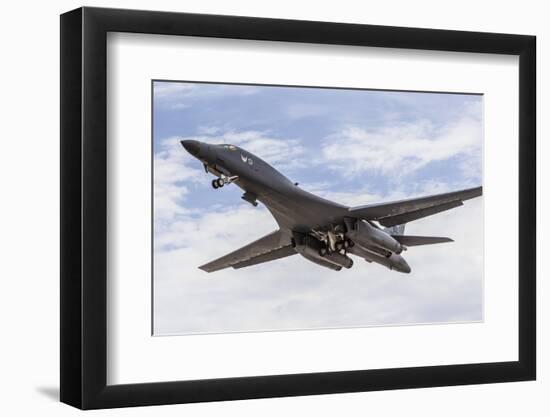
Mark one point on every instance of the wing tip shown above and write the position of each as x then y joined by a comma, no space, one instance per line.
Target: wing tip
205,268
477,191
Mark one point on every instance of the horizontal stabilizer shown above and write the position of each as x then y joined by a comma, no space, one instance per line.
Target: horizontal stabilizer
420,240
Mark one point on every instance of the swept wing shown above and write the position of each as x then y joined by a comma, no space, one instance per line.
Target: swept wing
403,211
273,246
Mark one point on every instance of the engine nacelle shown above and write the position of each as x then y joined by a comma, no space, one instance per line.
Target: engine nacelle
364,234
320,262
339,259
394,262
310,248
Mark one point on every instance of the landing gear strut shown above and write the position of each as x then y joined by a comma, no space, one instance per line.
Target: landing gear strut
220,182
340,247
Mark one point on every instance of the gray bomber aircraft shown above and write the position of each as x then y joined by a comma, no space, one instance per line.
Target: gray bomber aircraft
320,230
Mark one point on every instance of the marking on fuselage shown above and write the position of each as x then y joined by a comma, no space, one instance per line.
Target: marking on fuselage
247,160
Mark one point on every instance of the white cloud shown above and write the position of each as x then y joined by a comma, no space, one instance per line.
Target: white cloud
446,280
180,95
283,153
168,89
362,195
215,231
175,171
172,171
403,148
293,293
358,197
208,130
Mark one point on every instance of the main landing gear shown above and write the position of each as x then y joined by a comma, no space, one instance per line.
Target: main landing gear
340,246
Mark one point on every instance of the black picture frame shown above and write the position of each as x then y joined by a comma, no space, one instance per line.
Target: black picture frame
84,207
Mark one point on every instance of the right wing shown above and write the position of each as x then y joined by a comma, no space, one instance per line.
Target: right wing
403,211
273,246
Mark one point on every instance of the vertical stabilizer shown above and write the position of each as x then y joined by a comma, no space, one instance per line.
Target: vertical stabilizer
395,230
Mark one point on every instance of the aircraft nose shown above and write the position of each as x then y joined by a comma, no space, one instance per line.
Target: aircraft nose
191,146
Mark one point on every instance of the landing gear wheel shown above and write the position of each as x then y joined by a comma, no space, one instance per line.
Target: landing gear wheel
220,182
323,251
339,246
214,184
346,244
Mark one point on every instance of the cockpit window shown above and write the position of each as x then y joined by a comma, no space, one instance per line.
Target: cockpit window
230,147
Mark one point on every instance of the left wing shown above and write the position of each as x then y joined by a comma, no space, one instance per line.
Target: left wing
403,211
273,246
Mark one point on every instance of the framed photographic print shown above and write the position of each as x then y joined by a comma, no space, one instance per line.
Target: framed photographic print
257,208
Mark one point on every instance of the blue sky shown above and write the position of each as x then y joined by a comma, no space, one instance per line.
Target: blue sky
352,146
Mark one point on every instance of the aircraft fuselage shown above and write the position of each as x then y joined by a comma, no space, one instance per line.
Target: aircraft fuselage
301,215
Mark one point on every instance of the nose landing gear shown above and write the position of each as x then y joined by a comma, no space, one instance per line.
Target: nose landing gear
224,179
217,183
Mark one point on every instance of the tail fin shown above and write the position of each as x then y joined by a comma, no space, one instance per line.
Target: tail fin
395,230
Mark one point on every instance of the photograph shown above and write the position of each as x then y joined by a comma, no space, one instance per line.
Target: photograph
282,207
309,208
